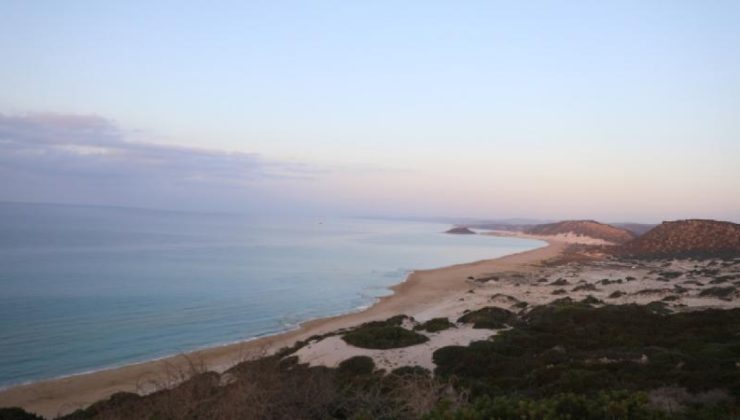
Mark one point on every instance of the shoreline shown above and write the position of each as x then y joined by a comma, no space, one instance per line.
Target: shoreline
420,290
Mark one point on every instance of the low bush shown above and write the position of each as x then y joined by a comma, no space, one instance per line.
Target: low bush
435,325
17,413
411,371
357,365
558,292
520,305
563,360
585,287
490,317
383,337
592,300
613,405
628,347
658,307
725,293
606,282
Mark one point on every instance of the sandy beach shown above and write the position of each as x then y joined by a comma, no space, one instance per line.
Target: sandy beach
422,295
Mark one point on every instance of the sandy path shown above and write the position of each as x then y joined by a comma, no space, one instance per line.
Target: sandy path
420,292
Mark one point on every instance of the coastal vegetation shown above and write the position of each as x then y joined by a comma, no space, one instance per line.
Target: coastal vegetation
356,366
17,413
490,317
564,360
605,405
435,325
388,334
725,293
575,347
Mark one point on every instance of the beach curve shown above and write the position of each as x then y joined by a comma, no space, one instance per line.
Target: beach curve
422,290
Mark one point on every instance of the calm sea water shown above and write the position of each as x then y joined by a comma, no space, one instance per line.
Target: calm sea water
84,288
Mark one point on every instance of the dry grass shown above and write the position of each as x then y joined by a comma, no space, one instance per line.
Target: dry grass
172,374
275,388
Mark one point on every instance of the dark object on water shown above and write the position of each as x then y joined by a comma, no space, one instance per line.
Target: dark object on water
461,230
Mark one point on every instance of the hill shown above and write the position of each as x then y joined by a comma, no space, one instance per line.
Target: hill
686,239
460,230
588,228
636,228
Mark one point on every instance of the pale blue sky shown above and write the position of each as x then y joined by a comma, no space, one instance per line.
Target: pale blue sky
626,110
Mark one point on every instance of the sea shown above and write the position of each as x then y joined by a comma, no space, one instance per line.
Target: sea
85,288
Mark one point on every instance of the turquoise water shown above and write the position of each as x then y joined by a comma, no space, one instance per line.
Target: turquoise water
84,288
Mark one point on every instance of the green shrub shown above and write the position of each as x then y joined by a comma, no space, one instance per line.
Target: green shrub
489,317
614,405
725,293
435,325
560,282
383,337
357,365
411,371
630,347
559,292
558,361
585,288
17,413
591,300
397,320
521,305
658,307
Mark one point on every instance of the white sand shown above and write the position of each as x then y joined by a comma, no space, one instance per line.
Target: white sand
332,350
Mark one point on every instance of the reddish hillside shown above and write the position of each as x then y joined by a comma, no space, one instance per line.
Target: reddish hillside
686,238
588,228
636,228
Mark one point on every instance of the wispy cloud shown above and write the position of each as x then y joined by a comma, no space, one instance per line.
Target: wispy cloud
95,146
91,159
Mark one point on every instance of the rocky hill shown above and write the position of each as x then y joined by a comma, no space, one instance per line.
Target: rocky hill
588,228
686,239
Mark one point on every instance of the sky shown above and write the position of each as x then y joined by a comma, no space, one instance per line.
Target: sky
625,110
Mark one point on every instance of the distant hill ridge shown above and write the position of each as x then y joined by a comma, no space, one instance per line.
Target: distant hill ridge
686,239
590,228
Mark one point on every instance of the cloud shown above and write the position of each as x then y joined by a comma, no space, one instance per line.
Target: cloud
95,146
57,157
